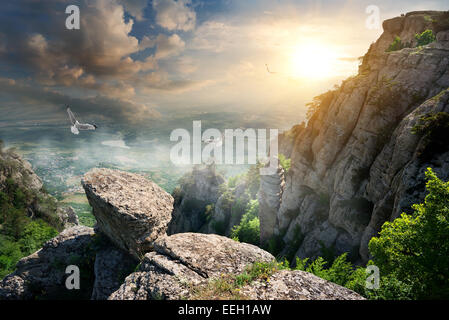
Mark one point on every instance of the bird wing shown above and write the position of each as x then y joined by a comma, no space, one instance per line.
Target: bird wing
85,126
71,116
74,130
268,69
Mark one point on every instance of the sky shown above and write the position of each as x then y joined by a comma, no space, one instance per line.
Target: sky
136,61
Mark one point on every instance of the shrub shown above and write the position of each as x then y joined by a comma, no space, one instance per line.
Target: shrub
228,286
414,249
20,235
34,235
285,163
425,38
340,271
249,228
253,179
396,45
10,254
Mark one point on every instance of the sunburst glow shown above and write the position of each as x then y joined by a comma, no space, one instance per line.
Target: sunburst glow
313,61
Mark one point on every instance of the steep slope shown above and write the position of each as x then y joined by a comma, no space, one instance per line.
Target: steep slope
28,215
357,163
171,267
205,202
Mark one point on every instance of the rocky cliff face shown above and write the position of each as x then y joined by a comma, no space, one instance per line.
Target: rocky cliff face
198,189
357,163
18,173
171,267
206,203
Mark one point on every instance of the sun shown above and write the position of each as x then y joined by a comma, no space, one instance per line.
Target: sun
313,61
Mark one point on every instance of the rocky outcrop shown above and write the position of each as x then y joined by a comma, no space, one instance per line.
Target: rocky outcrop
174,267
111,267
17,176
184,263
68,217
198,189
130,210
270,194
39,204
357,163
42,274
19,170
297,285
218,209
184,260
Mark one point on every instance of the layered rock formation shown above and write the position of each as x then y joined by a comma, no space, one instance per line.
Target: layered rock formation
357,163
270,194
198,189
14,167
39,204
204,201
172,267
131,210
42,274
297,285
184,260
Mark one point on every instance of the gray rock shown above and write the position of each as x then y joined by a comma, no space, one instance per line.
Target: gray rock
111,267
130,210
20,170
184,260
198,189
357,163
68,217
42,274
270,194
297,285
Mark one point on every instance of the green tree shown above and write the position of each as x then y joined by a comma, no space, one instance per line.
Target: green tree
396,45
414,249
249,228
425,38
284,162
34,236
10,253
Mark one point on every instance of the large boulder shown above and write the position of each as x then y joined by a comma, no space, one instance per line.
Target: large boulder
185,264
131,210
184,260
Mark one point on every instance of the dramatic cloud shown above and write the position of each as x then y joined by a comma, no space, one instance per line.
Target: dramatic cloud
100,106
134,7
174,15
132,56
168,46
102,47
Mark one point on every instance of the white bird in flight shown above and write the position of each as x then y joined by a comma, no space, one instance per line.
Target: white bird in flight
76,126
217,142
